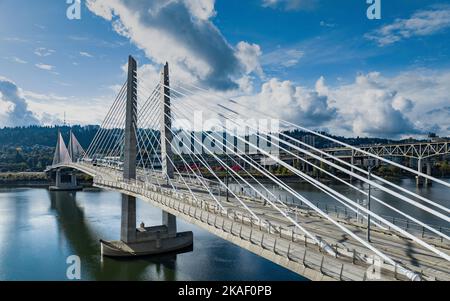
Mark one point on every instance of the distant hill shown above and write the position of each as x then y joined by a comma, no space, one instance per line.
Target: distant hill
44,136
30,149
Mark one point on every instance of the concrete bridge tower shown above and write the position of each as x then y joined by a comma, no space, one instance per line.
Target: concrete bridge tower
145,240
128,225
169,220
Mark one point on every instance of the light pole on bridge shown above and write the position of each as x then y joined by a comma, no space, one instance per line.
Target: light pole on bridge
368,204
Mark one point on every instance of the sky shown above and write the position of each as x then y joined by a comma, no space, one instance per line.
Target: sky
318,63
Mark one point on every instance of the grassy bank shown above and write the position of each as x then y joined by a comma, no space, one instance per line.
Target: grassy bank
24,178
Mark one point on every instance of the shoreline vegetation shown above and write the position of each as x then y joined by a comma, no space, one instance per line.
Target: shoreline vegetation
34,179
41,179
24,179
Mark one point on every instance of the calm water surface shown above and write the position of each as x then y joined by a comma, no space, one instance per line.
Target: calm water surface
40,229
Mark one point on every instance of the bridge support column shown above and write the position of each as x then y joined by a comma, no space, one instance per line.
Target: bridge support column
169,220
58,178
73,179
128,223
427,181
419,180
61,185
146,240
352,162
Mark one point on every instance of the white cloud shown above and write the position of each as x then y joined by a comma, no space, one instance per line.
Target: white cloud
86,54
43,97
45,67
290,4
186,37
285,57
249,55
412,102
283,99
51,111
19,60
20,107
429,91
367,107
15,111
16,59
202,9
409,104
421,23
43,52
325,24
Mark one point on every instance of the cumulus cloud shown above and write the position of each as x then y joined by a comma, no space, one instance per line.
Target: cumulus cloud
370,108
429,91
441,117
14,106
290,4
372,105
19,107
421,23
284,100
249,55
182,33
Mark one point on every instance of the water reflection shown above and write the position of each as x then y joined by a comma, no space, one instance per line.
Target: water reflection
40,229
83,241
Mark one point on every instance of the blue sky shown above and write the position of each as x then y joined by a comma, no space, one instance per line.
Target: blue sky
324,59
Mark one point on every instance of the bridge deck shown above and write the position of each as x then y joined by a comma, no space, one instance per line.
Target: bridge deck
275,238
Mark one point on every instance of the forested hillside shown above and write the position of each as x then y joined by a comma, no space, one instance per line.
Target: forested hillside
31,148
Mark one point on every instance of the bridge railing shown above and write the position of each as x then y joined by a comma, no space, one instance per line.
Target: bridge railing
339,212
282,241
356,216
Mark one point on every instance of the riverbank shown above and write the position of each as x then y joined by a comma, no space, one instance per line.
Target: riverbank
20,179
34,180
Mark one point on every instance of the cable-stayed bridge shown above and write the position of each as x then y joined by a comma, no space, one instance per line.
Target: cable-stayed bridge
150,147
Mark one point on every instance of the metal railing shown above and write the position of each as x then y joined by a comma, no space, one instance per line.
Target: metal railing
281,241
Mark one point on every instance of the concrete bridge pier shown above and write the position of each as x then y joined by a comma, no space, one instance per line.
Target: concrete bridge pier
58,178
61,185
128,220
170,222
427,181
419,180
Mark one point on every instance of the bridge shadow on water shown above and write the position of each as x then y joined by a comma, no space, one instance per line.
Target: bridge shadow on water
83,241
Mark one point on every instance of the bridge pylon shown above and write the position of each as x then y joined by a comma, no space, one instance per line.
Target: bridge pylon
62,156
169,220
145,240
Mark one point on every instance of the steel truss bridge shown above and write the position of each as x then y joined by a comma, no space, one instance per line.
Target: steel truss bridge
407,150
143,151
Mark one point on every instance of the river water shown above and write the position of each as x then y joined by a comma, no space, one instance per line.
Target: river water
40,229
